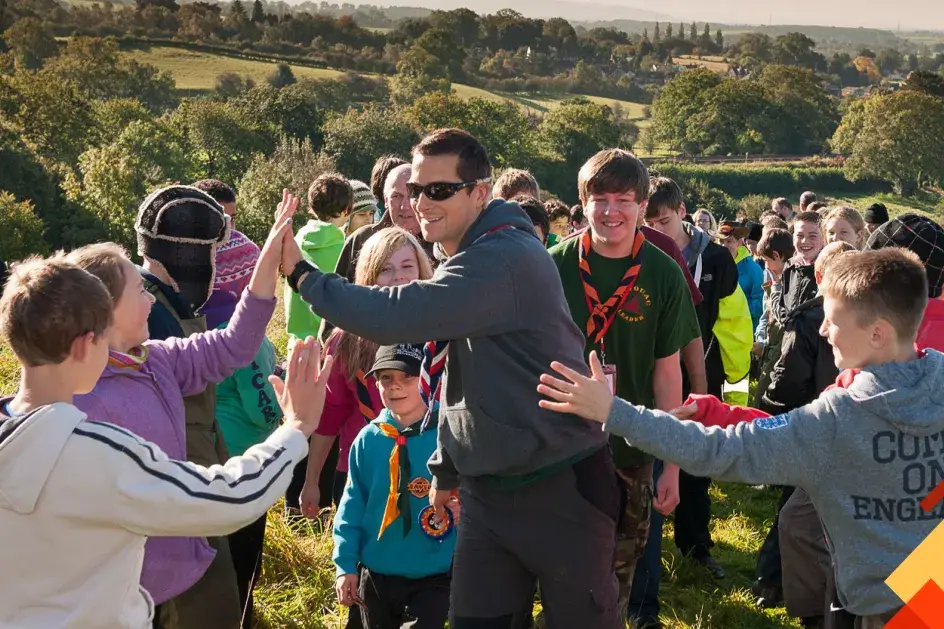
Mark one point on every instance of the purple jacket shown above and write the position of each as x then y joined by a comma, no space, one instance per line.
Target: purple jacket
150,403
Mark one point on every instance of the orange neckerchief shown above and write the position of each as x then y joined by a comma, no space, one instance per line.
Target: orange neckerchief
398,500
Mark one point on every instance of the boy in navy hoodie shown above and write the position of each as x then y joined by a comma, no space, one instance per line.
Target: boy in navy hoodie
392,560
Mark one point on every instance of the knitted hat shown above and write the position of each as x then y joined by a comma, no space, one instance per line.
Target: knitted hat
876,214
919,235
364,199
180,228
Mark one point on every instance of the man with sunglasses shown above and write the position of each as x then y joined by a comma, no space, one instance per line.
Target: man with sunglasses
538,491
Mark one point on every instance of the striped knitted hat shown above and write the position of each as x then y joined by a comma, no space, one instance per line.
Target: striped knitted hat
180,228
364,199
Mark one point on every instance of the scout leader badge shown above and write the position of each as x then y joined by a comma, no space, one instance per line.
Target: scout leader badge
602,314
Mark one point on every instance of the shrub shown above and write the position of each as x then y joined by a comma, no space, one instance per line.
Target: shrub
770,180
21,231
753,205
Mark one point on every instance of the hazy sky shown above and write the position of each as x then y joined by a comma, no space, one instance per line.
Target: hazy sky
913,14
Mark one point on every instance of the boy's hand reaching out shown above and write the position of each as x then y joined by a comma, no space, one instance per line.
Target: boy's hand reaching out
266,274
346,588
589,397
302,395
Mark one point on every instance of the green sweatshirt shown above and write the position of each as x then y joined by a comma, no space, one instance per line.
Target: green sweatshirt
246,407
321,245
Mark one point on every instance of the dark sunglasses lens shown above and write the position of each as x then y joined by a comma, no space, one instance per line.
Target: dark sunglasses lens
414,190
441,191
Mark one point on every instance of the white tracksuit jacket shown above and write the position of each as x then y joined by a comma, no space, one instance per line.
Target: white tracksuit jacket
78,499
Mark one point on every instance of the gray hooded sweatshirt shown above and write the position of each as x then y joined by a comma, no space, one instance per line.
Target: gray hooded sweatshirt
867,456
500,302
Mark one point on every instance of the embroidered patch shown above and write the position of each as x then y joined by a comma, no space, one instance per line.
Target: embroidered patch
433,530
419,487
771,423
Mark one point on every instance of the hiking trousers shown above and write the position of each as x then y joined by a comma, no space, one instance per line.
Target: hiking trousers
804,556
559,532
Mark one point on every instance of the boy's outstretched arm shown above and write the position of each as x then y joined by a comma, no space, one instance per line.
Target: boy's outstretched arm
788,449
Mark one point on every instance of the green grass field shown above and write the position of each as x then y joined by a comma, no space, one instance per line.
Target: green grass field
194,70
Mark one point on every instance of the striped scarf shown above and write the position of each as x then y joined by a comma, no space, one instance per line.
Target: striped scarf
603,313
364,403
133,360
434,359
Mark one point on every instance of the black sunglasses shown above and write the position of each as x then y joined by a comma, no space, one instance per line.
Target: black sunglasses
441,190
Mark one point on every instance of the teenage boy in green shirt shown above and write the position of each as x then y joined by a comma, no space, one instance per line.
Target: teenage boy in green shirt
643,316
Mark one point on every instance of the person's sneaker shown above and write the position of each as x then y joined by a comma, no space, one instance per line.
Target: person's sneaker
708,563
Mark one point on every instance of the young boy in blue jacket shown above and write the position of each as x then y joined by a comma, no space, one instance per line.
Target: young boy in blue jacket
392,559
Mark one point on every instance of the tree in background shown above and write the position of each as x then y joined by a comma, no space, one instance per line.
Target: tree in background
578,128
461,24
21,230
895,137
668,30
31,43
418,73
657,34
719,39
678,102
355,139
806,116
924,81
693,33
282,76
293,165
258,14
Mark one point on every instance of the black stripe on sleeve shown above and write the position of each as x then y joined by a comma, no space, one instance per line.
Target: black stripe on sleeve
124,449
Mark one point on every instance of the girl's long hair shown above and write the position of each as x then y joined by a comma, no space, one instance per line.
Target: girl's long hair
358,353
711,217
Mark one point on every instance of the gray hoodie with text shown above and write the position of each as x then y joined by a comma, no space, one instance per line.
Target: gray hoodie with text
499,300
867,455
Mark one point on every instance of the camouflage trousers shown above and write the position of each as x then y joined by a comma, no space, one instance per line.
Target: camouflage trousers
632,530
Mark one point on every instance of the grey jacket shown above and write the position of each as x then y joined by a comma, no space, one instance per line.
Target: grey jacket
499,300
867,456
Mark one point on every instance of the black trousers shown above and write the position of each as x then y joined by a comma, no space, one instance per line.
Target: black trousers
391,602
693,514
245,545
325,481
769,571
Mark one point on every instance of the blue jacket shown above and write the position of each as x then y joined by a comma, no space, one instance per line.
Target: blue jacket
361,511
751,279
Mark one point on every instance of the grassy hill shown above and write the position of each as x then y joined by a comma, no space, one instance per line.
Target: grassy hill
197,71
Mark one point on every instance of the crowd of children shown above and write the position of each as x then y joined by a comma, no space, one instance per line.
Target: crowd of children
151,431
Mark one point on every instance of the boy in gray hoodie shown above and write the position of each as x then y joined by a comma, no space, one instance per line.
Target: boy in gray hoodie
867,454
532,481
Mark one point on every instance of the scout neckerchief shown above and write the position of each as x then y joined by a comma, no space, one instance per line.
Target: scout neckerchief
133,360
602,314
434,358
398,499
364,403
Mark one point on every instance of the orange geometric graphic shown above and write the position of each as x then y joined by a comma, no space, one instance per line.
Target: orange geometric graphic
925,610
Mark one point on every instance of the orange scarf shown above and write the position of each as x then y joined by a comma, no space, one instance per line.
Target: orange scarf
398,500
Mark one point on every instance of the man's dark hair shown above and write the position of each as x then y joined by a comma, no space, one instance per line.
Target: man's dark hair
473,165
556,209
329,196
613,171
816,206
378,175
776,241
536,212
576,214
663,194
221,192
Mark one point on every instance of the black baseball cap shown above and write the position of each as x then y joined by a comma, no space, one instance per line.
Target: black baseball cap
404,357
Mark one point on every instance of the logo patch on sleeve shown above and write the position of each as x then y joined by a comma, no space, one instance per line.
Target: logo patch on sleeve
419,487
772,423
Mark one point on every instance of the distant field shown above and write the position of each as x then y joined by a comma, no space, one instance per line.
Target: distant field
198,71
929,203
715,64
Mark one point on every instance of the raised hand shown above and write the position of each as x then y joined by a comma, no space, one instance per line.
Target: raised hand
266,274
302,395
589,397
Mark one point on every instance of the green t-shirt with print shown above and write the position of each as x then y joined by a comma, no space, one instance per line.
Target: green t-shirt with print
656,320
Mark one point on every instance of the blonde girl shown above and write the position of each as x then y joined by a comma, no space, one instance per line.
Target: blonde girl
846,224
705,221
391,257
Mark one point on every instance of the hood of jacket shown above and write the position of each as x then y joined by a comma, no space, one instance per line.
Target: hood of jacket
743,253
700,240
908,395
30,446
319,234
498,213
